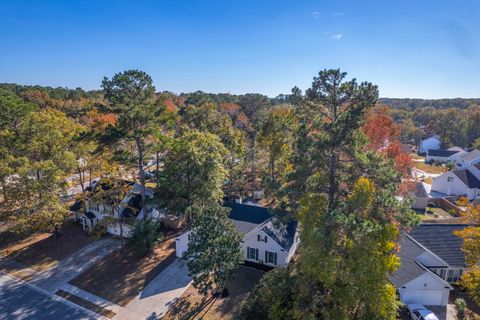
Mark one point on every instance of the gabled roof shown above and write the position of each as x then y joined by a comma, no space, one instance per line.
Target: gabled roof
284,234
441,153
247,217
90,215
432,137
420,190
472,155
409,268
440,240
456,149
134,206
467,178
76,207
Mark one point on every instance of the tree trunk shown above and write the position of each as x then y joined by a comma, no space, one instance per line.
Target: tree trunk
81,178
141,173
332,188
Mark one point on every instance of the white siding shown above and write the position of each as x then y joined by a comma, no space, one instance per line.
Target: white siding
271,246
115,230
432,143
427,289
451,185
251,240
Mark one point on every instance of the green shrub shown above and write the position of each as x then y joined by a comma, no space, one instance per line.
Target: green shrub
99,230
145,235
461,306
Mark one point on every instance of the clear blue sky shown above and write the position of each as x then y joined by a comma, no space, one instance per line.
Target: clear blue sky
409,48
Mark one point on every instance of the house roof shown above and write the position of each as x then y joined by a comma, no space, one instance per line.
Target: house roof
420,190
467,178
432,137
472,155
284,234
134,206
76,207
441,153
439,239
247,217
90,215
409,267
456,149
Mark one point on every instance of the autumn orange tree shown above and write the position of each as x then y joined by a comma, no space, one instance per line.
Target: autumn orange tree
470,280
383,134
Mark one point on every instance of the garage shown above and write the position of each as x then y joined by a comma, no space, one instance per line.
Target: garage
425,297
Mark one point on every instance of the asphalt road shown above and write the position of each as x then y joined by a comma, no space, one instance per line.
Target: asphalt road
21,301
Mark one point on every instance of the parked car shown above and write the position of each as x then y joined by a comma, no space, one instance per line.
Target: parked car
419,312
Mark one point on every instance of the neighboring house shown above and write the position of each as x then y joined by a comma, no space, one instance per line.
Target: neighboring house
420,196
468,159
431,259
458,183
430,143
131,209
444,156
263,242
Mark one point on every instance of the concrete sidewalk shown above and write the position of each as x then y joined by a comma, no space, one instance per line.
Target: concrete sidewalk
155,299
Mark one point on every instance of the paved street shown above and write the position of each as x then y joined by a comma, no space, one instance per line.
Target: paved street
19,300
154,300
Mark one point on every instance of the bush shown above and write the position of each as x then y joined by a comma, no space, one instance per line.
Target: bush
461,306
99,230
145,236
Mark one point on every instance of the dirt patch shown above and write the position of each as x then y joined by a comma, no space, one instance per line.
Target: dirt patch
122,275
192,305
86,304
43,251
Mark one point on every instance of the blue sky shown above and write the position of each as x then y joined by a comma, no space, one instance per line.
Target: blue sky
409,48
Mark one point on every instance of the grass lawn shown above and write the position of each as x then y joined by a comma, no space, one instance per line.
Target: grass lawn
121,275
42,251
192,305
428,168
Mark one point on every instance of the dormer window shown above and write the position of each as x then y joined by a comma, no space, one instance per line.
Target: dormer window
262,238
450,179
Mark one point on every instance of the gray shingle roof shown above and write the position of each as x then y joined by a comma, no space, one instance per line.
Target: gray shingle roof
439,239
409,268
247,217
283,234
468,178
441,153
474,154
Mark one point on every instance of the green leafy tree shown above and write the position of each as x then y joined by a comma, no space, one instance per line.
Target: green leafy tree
131,96
145,236
276,138
194,171
214,251
43,159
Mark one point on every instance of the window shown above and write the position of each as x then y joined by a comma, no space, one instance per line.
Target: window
454,275
262,238
189,236
450,179
252,253
271,257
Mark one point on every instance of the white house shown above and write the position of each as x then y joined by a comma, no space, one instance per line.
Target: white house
430,143
431,259
444,156
419,196
263,242
131,209
457,183
468,159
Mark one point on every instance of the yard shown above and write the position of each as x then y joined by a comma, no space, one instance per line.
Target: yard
43,251
428,168
194,306
122,275
433,213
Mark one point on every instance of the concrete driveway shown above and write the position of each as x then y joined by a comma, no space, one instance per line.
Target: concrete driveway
155,299
19,300
73,265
